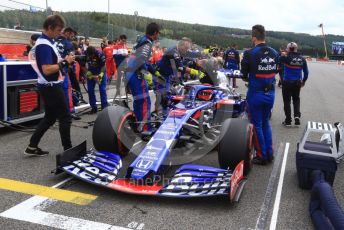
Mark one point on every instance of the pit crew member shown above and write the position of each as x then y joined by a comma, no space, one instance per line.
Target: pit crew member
259,67
139,60
95,72
293,65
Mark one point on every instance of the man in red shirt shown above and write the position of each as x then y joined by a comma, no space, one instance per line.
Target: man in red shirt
156,54
110,63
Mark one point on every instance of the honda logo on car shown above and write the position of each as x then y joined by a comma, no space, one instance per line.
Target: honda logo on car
144,164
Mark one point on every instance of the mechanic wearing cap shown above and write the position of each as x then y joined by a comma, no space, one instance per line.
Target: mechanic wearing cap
95,72
48,64
293,65
259,67
139,60
65,47
231,60
171,66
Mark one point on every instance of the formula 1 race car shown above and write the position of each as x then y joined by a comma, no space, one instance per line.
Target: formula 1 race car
201,119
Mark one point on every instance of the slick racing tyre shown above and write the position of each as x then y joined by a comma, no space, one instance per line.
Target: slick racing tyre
235,144
114,130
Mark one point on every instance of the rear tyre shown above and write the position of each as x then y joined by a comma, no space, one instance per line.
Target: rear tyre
235,144
114,130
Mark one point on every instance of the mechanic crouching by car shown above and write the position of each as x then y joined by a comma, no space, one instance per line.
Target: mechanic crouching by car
259,67
139,60
95,72
293,64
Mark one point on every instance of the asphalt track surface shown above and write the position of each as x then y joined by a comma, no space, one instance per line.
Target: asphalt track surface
321,100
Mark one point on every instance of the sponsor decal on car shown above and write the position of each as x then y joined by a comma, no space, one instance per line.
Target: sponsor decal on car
237,176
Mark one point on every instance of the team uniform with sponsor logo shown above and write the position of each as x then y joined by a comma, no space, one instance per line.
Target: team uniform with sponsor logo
231,61
51,91
139,60
95,65
170,67
293,65
260,66
64,46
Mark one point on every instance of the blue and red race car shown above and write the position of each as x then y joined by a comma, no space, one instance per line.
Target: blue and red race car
202,119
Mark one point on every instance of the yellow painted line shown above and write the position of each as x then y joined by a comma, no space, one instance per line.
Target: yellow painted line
40,190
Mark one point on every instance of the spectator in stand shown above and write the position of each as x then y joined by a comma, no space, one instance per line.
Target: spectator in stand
120,53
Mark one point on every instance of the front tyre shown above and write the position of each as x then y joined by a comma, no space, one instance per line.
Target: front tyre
235,144
114,130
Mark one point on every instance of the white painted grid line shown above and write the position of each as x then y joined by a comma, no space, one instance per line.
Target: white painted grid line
279,190
31,211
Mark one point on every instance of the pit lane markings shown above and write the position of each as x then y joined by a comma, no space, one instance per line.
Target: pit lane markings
49,192
31,211
267,203
279,190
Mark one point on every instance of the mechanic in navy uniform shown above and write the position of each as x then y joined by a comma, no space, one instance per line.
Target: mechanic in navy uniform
171,66
259,67
293,65
231,60
95,72
139,60
65,47
48,64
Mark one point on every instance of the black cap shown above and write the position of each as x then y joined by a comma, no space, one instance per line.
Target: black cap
34,37
69,29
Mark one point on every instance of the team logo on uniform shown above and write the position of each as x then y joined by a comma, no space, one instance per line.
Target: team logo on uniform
267,63
297,61
60,47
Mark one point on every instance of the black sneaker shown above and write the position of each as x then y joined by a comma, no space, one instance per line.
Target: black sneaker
259,161
297,121
286,123
30,151
75,117
93,111
271,158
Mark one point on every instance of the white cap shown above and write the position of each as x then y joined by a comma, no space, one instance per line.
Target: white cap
292,46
